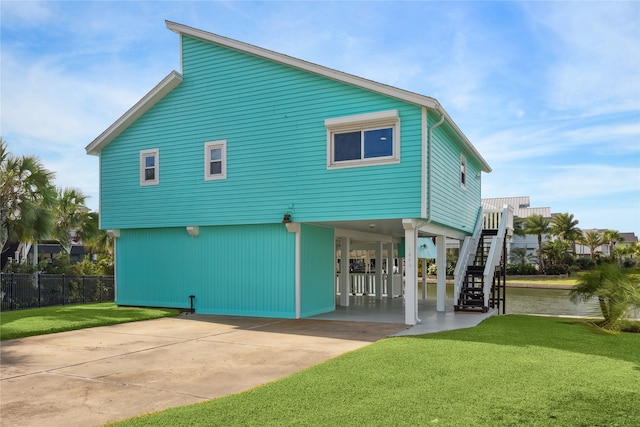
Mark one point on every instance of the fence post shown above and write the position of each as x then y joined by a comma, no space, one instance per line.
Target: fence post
39,286
63,293
12,293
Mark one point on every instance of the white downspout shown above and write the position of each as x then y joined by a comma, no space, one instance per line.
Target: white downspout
430,164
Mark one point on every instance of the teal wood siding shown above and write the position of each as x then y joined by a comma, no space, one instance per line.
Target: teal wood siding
231,270
317,294
453,206
272,117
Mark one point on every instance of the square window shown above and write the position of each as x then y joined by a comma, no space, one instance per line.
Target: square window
215,159
149,167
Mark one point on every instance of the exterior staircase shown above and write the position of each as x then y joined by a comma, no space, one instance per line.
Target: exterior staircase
480,275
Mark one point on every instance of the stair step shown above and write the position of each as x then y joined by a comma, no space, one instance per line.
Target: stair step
489,232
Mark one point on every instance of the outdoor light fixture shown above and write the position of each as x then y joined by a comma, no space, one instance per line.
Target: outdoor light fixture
193,230
286,219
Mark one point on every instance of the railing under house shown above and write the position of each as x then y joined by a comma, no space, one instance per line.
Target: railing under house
365,284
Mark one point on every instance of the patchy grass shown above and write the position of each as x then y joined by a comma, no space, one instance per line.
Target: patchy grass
564,281
510,370
47,320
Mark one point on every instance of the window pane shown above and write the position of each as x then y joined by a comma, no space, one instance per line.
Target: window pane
149,161
347,146
216,154
149,174
215,168
378,143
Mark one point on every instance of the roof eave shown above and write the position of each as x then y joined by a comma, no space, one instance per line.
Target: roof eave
351,79
134,113
303,65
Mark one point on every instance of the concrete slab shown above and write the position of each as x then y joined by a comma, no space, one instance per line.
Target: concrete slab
101,375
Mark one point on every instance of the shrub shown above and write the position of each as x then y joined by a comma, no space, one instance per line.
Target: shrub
556,270
521,269
585,263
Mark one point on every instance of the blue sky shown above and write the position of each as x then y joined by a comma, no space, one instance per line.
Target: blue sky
548,92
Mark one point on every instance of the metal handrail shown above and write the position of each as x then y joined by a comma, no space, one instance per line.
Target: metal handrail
467,254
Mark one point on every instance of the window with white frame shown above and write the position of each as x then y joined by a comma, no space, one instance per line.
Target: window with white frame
150,167
363,139
463,171
215,160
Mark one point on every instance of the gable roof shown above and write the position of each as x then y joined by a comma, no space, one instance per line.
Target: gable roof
171,81
134,113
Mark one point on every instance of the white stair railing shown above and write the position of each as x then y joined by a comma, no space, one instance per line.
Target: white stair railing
467,254
495,251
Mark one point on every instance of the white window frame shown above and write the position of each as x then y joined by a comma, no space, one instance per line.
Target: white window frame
463,172
222,145
143,155
362,123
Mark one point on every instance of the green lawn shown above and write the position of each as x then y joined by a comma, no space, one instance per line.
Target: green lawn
543,280
47,320
508,371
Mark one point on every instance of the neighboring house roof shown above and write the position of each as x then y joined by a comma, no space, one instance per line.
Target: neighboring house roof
174,79
520,206
629,237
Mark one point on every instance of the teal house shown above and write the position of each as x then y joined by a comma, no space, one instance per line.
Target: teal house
248,181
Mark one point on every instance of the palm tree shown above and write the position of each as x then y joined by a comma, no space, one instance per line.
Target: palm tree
592,239
539,226
556,251
71,215
611,237
617,292
26,198
565,226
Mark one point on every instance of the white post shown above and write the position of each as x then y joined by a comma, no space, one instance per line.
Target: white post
344,272
379,249
424,278
411,288
441,280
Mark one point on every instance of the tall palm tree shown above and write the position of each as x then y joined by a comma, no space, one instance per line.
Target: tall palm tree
556,251
610,237
537,225
71,215
592,239
26,198
565,226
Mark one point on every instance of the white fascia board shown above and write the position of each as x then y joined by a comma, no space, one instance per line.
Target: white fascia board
465,140
340,76
303,65
134,113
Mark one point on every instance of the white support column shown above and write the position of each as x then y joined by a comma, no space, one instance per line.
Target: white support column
441,280
344,271
379,248
390,274
411,282
294,227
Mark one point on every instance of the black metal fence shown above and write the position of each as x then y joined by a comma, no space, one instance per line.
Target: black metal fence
19,291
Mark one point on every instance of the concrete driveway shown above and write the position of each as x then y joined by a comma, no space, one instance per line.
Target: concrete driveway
100,375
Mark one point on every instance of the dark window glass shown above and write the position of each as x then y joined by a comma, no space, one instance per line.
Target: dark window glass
215,168
378,143
347,146
149,174
149,161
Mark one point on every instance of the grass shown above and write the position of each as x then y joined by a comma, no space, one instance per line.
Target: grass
508,371
47,320
543,280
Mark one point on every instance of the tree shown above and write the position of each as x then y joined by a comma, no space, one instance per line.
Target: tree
617,292
72,216
565,227
610,237
26,198
592,239
519,256
537,225
557,251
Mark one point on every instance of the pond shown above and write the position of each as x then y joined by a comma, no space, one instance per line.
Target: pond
536,301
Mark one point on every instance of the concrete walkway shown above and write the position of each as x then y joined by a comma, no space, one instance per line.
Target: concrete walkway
100,375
